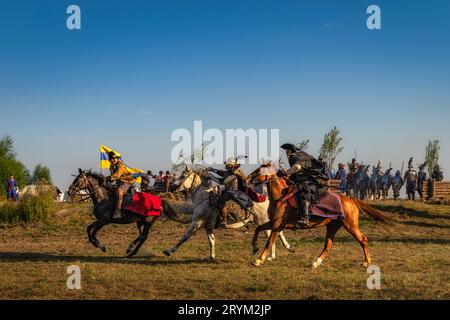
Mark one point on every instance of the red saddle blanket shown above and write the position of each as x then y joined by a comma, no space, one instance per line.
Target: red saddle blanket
145,204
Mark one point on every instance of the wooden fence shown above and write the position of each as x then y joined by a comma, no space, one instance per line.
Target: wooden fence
431,189
334,185
438,190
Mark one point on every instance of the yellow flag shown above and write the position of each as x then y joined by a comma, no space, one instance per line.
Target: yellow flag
104,162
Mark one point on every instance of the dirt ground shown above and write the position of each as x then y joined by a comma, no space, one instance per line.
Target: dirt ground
413,256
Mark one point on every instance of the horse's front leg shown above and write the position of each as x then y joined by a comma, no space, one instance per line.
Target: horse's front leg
212,245
285,243
96,226
269,244
271,257
280,220
265,226
194,226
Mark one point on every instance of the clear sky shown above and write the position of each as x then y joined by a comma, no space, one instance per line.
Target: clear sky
140,69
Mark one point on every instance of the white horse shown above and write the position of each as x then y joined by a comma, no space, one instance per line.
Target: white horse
205,215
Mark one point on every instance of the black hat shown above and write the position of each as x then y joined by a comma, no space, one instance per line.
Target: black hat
112,155
289,146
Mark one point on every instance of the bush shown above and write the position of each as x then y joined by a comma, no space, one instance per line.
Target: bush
30,208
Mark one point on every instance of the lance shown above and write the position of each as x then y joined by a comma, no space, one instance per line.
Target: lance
401,172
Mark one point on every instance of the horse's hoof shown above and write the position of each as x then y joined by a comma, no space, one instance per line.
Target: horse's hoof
210,260
255,250
167,253
257,263
270,259
291,250
317,263
103,248
365,264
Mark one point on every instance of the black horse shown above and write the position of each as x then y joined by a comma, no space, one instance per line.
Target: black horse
104,200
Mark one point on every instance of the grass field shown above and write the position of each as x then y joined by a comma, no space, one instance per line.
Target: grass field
413,256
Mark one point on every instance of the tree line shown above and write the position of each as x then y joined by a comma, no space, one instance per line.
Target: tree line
10,165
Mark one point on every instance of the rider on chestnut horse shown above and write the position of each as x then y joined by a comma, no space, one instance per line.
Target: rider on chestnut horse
309,176
124,180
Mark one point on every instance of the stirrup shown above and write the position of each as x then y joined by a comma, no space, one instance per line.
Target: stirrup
303,222
117,214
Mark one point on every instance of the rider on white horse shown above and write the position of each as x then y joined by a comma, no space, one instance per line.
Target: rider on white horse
233,180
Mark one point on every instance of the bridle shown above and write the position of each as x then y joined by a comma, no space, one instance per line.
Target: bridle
190,189
88,194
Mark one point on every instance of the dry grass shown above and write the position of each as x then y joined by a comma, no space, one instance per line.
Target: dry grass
413,256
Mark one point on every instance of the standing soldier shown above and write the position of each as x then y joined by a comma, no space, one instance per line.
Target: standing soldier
397,183
411,180
379,168
421,179
341,175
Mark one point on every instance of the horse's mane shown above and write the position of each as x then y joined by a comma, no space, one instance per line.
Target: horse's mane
98,176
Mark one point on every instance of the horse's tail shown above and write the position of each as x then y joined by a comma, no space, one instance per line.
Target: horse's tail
374,213
170,213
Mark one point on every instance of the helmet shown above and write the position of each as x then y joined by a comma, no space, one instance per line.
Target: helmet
410,163
289,146
112,155
231,163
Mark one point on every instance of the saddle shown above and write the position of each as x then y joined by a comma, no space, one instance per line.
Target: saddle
329,205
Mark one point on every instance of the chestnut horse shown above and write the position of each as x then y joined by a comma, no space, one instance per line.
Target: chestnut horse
283,215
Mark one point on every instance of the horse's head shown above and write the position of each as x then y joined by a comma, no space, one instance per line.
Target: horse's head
84,181
263,174
80,183
189,180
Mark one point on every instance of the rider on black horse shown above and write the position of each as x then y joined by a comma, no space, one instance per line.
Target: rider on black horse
309,175
235,187
123,177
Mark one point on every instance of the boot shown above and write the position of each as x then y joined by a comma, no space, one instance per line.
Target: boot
303,210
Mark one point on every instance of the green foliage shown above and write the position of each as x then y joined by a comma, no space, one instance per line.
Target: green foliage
331,147
303,145
30,208
41,174
10,165
432,156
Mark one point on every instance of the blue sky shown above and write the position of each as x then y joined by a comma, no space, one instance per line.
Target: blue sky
140,69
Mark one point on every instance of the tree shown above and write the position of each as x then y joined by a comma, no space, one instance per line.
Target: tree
9,165
6,148
432,156
303,145
41,174
331,147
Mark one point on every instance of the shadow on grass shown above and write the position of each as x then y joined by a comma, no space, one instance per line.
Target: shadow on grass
425,224
404,240
401,210
48,257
